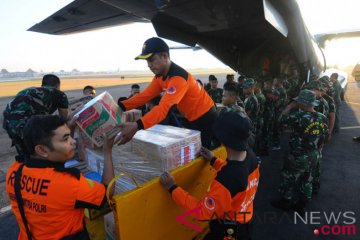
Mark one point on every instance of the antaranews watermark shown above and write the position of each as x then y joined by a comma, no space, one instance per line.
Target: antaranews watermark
331,223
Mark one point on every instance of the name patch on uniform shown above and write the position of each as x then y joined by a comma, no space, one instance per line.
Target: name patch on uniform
315,128
30,184
32,206
209,203
171,90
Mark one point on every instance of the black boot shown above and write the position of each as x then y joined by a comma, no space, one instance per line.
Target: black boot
283,204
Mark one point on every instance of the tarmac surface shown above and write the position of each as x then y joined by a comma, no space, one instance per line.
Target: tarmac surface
339,194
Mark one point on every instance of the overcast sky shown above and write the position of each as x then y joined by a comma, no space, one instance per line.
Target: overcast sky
115,48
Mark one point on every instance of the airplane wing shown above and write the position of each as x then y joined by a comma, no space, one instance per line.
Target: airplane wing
240,33
322,38
85,15
196,48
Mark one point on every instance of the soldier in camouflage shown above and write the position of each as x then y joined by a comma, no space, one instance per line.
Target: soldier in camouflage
31,101
317,87
309,132
332,107
337,99
214,92
292,83
230,99
323,107
271,97
260,123
331,89
280,104
240,81
251,102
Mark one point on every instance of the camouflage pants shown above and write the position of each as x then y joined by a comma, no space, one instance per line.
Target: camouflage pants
316,172
14,129
276,130
296,176
267,130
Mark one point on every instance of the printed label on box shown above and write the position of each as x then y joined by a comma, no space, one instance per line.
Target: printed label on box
187,154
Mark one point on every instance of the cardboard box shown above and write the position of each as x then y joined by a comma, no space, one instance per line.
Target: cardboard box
78,103
168,147
99,116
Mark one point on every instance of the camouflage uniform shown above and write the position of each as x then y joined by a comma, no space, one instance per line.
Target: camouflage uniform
28,102
216,94
260,123
291,86
331,103
271,96
241,92
330,100
232,108
240,102
337,99
207,87
323,108
252,106
280,104
309,130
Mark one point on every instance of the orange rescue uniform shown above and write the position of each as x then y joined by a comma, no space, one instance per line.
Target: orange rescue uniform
54,198
231,193
179,88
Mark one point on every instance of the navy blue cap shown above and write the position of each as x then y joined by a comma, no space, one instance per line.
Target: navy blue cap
151,46
233,130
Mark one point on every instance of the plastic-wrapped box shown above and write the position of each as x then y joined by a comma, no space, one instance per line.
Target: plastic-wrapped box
166,146
151,152
99,116
110,227
124,161
94,158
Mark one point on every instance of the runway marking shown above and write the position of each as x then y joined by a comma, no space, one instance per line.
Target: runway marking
353,103
5,209
351,127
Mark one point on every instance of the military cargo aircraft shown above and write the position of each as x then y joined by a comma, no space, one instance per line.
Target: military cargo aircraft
239,33
242,34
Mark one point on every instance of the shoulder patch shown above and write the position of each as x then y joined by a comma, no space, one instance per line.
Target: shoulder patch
209,203
90,182
171,90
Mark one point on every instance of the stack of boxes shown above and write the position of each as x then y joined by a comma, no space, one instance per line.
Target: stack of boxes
150,153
